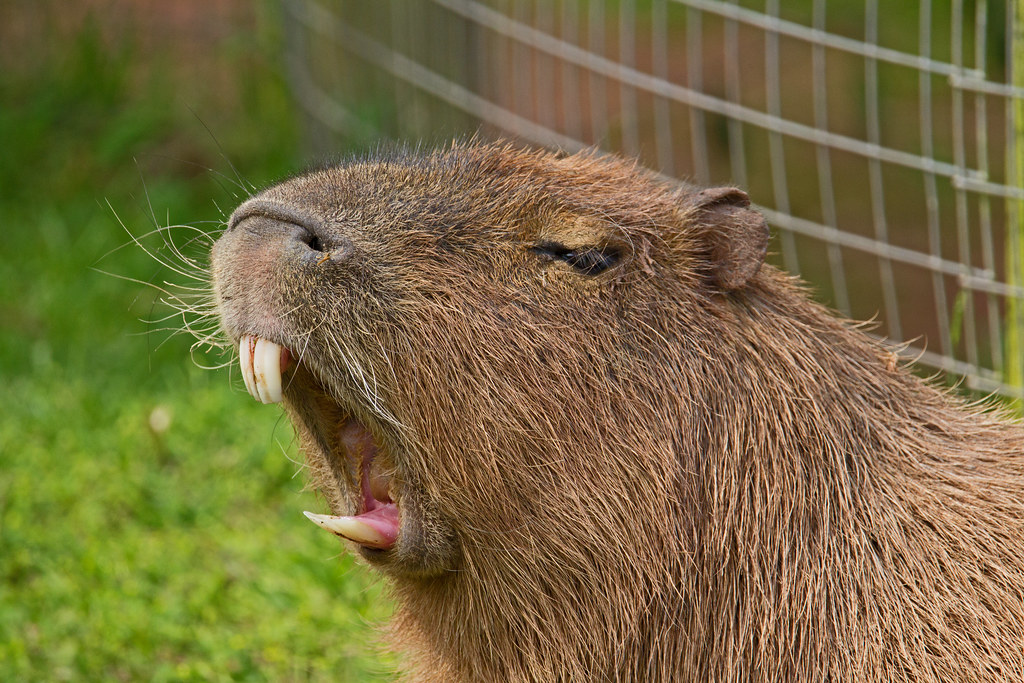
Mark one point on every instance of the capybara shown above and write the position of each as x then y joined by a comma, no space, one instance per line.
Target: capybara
588,435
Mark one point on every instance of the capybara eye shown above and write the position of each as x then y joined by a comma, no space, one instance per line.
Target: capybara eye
592,261
587,261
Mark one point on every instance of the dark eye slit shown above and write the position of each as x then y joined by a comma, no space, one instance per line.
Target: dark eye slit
586,260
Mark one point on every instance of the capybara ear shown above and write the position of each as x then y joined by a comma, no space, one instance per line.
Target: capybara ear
735,236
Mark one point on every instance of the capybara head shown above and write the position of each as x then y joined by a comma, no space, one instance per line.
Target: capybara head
589,436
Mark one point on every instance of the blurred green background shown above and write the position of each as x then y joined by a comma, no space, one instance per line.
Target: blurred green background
150,524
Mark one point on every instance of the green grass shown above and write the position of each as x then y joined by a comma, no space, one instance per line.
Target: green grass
128,553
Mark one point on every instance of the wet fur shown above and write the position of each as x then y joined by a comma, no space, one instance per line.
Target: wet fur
682,469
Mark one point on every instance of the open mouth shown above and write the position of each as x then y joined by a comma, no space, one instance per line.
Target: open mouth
377,523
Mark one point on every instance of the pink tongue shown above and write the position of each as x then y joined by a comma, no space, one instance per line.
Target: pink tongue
384,520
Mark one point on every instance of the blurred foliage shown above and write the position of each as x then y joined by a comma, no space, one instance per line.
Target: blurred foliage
150,523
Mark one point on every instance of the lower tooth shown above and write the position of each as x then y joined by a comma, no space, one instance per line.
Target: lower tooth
351,528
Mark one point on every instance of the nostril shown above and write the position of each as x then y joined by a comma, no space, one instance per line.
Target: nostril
314,243
320,247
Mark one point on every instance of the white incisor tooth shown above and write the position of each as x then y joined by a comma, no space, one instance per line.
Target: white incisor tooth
266,365
245,362
351,528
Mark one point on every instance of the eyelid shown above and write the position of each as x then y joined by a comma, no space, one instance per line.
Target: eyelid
587,260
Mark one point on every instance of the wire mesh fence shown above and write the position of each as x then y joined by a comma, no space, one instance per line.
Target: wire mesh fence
880,140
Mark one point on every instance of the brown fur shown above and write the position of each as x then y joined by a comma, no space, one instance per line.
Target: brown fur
680,468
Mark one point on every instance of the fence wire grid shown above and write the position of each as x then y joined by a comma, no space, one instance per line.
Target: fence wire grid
881,141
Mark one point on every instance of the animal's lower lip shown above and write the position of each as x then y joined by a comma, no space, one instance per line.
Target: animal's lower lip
262,362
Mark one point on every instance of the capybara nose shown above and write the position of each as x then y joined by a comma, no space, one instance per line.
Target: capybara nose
293,228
